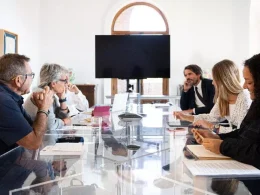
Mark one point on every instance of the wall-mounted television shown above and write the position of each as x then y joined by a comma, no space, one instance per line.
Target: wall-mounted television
132,56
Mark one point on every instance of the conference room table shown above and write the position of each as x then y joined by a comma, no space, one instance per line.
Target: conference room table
109,164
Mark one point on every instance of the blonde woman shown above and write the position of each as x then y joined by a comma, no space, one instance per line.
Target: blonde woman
232,102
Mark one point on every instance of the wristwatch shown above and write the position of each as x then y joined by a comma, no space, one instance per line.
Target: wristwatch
216,128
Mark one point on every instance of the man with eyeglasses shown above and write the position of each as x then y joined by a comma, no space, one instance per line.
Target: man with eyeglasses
16,126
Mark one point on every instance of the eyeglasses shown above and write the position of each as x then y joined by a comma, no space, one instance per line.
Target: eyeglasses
64,81
30,75
26,75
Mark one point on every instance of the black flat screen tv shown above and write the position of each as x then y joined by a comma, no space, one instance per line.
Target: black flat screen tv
132,56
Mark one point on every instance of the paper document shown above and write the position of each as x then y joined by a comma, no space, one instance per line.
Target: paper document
160,105
202,154
66,128
63,149
220,167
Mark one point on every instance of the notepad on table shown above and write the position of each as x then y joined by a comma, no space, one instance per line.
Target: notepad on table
63,149
201,153
220,168
75,127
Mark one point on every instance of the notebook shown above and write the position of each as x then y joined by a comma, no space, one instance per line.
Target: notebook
63,149
200,153
220,168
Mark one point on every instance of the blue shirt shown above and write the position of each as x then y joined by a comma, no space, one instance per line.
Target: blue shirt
15,123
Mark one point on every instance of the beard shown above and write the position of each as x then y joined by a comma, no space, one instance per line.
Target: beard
192,81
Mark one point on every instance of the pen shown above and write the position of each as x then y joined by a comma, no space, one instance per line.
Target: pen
197,127
79,125
202,138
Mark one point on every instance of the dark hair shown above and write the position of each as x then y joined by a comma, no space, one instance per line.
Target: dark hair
195,68
253,64
12,65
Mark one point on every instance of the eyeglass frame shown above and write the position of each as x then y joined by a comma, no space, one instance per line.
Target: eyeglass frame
66,81
32,74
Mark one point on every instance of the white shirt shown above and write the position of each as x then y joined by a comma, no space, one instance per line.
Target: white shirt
197,100
231,109
236,115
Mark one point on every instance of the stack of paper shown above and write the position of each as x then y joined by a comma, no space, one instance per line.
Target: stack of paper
220,167
79,127
63,149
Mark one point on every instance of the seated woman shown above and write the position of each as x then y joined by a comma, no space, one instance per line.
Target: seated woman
242,144
232,102
54,76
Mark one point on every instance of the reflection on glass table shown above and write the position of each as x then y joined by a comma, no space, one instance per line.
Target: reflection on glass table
20,169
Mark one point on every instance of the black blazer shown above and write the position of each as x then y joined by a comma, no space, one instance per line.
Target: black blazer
243,144
208,92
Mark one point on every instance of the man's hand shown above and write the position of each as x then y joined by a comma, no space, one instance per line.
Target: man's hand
186,86
44,99
201,135
212,145
203,123
73,88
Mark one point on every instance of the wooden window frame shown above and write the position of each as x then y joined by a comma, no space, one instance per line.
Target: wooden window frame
165,83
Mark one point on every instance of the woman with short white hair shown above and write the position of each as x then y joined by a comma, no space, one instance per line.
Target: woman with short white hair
56,77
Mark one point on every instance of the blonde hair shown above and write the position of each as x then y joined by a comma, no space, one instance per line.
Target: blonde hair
226,76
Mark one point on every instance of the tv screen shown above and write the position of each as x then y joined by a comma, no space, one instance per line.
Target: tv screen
132,56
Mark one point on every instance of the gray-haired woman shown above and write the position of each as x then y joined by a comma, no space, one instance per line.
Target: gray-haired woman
56,77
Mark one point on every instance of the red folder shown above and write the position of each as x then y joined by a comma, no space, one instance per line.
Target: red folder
101,111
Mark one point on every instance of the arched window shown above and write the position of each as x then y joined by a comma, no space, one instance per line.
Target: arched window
140,18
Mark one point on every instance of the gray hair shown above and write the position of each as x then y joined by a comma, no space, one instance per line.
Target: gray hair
12,65
51,73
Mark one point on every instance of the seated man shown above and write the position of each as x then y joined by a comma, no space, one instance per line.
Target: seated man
198,92
16,126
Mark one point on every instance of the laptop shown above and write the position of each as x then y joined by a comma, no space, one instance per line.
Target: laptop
120,102
179,123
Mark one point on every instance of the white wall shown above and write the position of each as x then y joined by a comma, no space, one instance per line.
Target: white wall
254,46
68,30
202,32
22,17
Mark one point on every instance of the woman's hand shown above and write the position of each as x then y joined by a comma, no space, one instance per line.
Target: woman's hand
201,135
73,88
203,123
183,115
67,121
212,145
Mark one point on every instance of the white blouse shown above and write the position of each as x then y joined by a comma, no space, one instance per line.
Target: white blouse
237,114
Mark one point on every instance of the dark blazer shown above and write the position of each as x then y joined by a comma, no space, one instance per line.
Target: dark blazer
243,144
208,92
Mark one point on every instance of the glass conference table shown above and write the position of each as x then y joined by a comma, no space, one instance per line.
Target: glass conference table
110,164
